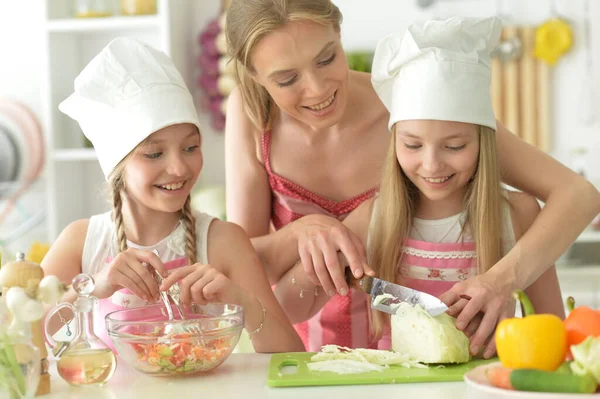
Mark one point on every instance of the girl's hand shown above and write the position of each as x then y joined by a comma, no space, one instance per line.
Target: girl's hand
202,284
320,238
128,270
479,304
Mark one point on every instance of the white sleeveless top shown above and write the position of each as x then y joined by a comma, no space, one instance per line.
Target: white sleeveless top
101,242
450,229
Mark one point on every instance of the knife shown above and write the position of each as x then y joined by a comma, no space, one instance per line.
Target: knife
375,287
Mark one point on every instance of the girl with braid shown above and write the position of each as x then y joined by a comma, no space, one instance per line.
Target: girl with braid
133,105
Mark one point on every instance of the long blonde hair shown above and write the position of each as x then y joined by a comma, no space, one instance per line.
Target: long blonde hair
117,185
396,206
248,22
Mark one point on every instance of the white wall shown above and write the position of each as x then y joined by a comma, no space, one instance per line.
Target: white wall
20,52
364,23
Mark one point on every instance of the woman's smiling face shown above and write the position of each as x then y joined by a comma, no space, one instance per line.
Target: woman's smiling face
303,67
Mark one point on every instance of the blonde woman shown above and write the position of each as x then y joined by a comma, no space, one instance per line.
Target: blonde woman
133,105
305,143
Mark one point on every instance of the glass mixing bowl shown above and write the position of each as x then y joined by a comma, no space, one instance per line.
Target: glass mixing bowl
148,341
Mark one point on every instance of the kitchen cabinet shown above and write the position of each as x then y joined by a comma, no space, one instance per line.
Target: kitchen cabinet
579,270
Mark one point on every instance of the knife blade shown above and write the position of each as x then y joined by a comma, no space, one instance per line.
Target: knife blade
375,287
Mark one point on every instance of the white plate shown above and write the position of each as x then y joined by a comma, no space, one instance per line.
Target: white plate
478,386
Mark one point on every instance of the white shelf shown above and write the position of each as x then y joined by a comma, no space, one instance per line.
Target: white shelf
75,154
589,236
74,25
74,183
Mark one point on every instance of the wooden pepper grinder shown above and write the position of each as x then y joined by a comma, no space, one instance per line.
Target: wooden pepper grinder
27,274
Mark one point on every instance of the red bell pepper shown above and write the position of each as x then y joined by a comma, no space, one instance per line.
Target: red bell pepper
581,323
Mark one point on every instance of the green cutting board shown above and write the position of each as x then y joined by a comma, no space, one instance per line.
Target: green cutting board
279,377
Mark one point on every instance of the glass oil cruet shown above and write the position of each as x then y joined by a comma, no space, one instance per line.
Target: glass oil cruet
86,360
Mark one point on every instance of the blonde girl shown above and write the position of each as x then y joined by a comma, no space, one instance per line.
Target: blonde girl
442,217
133,105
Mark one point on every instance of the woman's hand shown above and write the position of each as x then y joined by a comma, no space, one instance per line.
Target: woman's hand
128,270
479,304
320,238
202,284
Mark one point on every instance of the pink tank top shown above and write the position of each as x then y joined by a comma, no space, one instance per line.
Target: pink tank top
343,320
291,202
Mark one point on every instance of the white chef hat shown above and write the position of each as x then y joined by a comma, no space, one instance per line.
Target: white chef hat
438,70
127,92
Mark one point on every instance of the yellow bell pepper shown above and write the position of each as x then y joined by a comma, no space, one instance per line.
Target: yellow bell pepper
536,341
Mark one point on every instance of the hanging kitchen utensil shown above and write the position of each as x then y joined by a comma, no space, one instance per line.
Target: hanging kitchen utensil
544,98
510,47
506,51
553,38
527,68
510,81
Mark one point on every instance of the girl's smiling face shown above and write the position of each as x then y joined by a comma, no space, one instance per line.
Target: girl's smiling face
161,172
439,157
303,67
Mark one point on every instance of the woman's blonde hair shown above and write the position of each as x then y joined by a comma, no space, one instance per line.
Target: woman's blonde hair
117,185
248,22
396,206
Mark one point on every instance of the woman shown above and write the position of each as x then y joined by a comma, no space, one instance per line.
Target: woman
305,143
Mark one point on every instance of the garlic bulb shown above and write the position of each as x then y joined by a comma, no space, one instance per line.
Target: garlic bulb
222,21
22,306
221,43
50,290
225,85
4,313
226,67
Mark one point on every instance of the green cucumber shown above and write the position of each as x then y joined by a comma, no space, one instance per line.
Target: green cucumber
546,381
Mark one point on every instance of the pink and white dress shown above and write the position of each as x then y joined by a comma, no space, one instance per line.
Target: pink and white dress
101,247
343,320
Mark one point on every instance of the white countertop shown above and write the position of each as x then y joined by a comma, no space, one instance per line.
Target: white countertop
242,376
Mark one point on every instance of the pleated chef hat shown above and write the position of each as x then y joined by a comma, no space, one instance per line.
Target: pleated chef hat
127,92
438,70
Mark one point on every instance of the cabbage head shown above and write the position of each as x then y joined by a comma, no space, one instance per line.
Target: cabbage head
586,358
428,339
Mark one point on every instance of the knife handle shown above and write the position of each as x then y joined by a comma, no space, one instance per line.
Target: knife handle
365,283
352,281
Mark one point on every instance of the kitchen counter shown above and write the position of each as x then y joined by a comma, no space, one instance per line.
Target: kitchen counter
241,376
